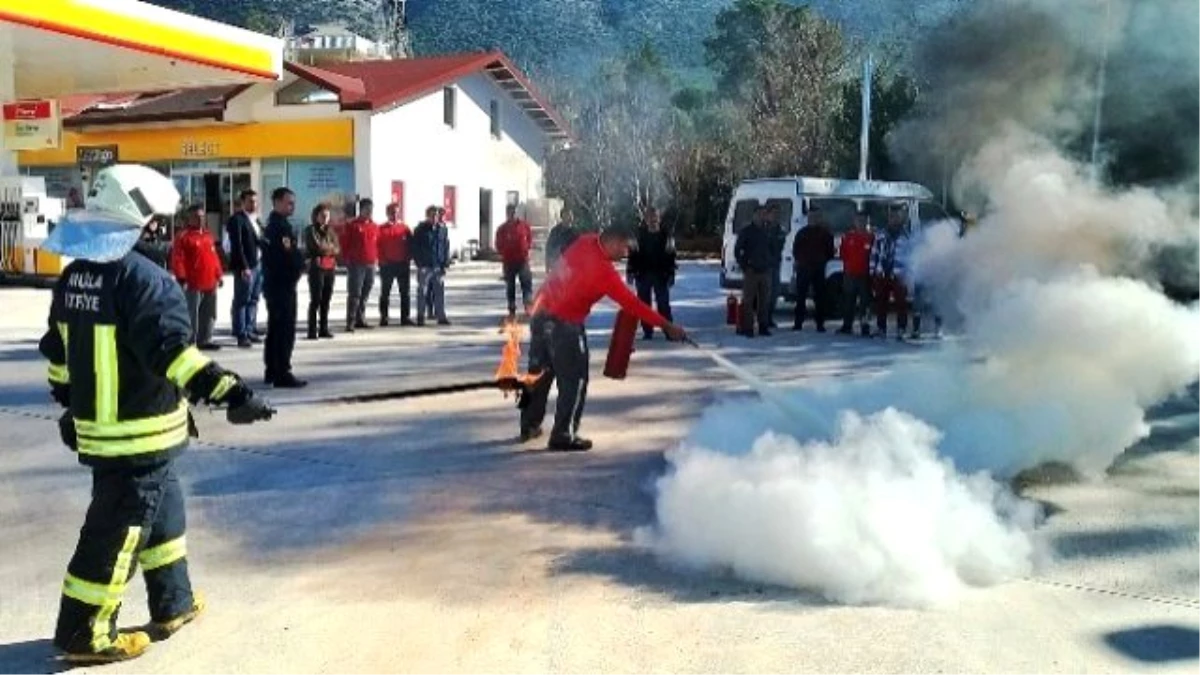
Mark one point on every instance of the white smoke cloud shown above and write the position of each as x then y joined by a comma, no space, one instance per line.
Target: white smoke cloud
1063,349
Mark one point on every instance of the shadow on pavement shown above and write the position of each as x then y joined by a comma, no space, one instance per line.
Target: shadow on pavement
33,656
1156,644
1124,541
641,569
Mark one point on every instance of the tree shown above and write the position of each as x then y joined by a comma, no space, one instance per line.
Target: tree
893,96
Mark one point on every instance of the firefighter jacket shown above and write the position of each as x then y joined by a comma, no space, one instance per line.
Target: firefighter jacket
121,359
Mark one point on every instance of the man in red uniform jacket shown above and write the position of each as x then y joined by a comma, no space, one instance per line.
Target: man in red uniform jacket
360,249
558,342
395,264
514,239
856,274
197,266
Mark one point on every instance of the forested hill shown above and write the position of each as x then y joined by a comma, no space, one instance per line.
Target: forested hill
563,37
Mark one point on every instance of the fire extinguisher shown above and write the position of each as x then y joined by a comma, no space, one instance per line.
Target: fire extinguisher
732,310
620,346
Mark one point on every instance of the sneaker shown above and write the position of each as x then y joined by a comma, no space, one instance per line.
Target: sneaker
244,343
569,444
364,325
349,328
530,434
325,334
797,326
209,347
383,322
765,332
127,646
165,629
444,322
820,328
864,330
311,336
257,338
914,336
290,381
407,322
845,330
420,323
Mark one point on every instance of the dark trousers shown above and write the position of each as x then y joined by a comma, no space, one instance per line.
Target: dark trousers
136,517
810,280
658,287
320,294
202,306
399,273
281,332
856,292
359,280
514,272
559,351
890,293
774,293
756,289
246,294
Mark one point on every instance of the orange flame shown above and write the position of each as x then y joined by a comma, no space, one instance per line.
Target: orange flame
509,370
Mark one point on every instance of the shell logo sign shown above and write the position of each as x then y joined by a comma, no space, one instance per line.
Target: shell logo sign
32,125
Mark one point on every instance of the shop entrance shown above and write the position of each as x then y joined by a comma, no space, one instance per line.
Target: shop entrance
216,185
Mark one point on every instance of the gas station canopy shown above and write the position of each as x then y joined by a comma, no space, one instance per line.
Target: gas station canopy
57,48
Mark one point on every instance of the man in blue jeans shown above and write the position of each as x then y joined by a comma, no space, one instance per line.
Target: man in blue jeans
244,236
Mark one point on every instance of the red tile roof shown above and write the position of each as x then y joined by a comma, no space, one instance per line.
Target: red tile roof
372,85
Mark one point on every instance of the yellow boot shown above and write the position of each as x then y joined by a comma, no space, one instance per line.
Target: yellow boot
126,646
165,629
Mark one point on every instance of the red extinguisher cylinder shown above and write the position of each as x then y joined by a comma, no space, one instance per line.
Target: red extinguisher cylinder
731,310
620,346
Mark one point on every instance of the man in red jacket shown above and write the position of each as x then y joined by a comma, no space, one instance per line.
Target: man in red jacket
360,249
514,239
856,274
395,264
558,342
197,266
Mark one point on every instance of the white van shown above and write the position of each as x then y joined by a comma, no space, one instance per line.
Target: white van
837,198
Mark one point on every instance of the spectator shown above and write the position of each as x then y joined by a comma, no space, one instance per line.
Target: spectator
754,254
778,231
431,252
322,248
283,265
561,236
888,257
360,248
395,265
245,243
197,266
856,279
653,266
514,240
812,249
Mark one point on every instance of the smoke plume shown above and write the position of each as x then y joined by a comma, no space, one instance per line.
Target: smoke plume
1066,339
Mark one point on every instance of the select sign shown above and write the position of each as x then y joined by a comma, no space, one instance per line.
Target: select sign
32,125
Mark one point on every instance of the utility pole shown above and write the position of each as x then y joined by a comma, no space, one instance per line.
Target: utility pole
864,141
1100,84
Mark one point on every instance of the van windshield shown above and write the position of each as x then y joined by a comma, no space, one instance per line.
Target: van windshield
743,212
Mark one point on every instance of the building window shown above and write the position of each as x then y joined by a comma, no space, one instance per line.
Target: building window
495,115
303,92
449,115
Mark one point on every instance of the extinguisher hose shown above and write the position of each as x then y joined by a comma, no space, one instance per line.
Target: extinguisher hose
793,409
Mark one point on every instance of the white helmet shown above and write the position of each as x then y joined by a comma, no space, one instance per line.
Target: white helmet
121,202
132,192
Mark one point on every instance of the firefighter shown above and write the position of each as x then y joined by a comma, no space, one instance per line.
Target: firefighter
558,341
123,365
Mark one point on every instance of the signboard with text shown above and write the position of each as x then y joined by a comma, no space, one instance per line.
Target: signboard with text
32,125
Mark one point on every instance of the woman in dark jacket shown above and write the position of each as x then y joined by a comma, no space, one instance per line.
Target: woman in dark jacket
321,248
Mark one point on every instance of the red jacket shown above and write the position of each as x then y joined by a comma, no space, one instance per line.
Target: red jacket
393,243
360,242
194,260
514,239
856,253
583,276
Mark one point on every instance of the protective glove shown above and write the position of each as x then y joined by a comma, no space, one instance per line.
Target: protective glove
249,411
66,431
61,393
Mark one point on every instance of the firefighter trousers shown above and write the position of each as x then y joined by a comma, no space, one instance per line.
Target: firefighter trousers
136,518
559,351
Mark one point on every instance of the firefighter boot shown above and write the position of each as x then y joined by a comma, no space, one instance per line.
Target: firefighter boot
165,629
127,646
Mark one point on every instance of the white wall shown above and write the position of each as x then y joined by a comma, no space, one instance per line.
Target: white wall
411,143
257,104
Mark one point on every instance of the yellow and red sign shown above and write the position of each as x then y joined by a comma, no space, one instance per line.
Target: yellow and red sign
32,125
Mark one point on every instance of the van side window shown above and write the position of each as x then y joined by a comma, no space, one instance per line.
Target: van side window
743,213
784,206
